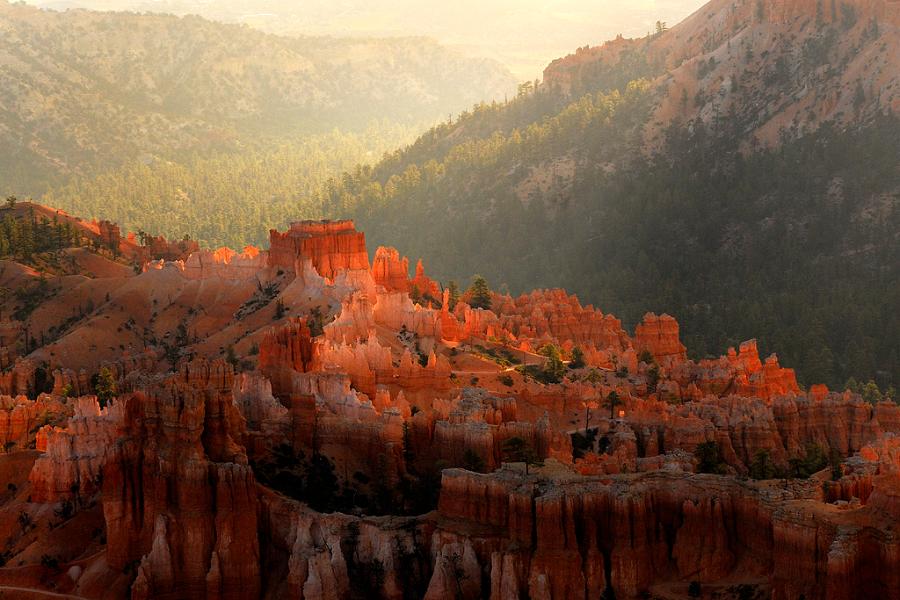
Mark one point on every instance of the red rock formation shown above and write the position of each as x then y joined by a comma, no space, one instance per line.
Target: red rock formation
428,289
390,271
391,391
110,234
740,373
658,335
74,456
331,246
355,321
450,327
75,384
479,424
20,419
690,528
553,315
285,350
397,311
19,381
179,498
226,264
158,248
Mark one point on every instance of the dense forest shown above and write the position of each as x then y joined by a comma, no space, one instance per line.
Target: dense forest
795,245
229,198
22,238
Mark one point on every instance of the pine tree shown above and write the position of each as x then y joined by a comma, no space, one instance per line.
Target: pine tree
105,387
479,293
613,401
453,295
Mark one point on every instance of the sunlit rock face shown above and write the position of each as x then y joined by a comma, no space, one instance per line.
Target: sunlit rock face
299,423
331,246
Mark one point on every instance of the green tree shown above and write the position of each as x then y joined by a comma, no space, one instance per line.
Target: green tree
415,295
577,361
472,461
694,589
709,457
279,309
812,462
762,466
479,293
612,401
837,470
652,378
105,387
555,368
871,393
452,295
516,449
231,357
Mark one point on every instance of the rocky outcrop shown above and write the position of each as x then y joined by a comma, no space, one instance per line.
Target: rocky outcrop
20,379
21,419
66,382
268,421
179,499
554,315
424,287
226,264
573,539
397,311
396,389
659,335
285,350
390,270
157,247
331,246
71,467
738,372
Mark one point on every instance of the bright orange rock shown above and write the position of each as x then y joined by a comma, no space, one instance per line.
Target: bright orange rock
332,246
659,336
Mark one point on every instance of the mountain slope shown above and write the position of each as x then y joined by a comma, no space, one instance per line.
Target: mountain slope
770,197
768,67
83,89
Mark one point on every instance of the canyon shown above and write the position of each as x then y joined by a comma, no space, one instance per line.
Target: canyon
302,422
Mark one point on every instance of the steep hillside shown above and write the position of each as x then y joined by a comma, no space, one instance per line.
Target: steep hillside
765,68
739,170
81,90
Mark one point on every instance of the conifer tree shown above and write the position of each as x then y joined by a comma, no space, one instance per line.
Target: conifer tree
479,293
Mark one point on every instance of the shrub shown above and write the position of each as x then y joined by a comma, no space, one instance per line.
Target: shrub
709,456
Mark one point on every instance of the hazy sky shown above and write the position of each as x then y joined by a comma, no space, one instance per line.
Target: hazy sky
523,34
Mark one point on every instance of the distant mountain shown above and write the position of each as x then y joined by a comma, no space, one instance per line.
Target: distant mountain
522,34
82,90
740,170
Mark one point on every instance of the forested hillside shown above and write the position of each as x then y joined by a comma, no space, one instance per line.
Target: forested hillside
226,198
585,183
82,92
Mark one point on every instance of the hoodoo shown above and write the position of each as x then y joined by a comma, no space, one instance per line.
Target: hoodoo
332,433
